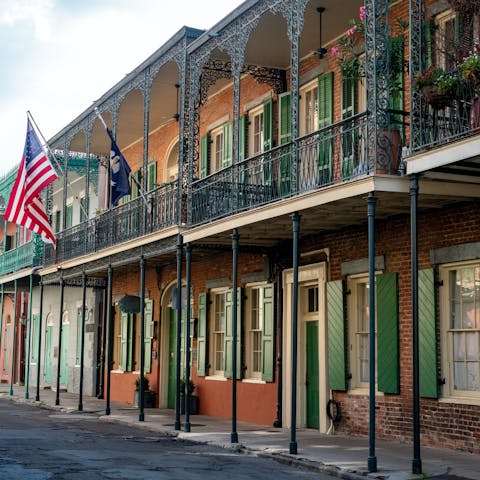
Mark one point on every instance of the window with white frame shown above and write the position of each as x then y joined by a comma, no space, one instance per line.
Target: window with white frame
461,329
446,44
309,108
359,330
217,150
253,337
255,119
218,333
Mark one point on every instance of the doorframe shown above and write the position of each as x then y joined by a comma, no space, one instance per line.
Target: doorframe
313,274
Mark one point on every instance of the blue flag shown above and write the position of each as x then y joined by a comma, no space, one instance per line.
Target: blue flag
119,172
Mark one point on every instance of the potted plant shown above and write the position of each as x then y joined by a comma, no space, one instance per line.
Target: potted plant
148,395
470,67
194,400
438,88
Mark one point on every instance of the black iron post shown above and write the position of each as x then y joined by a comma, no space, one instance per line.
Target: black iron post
12,372
141,415
60,329
279,317
372,459
293,413
179,331
37,396
417,462
235,300
29,339
188,261
1,311
82,341
109,336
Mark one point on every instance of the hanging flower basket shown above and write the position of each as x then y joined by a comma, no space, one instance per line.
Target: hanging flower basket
435,98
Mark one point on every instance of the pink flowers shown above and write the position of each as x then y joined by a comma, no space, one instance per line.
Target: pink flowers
351,31
362,13
335,51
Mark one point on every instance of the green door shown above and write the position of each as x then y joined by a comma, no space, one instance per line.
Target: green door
48,354
171,361
64,359
312,375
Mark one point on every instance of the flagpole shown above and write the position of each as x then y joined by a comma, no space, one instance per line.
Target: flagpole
135,181
29,115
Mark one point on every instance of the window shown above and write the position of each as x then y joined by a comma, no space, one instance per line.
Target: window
461,329
309,108
217,150
445,45
256,121
254,333
218,333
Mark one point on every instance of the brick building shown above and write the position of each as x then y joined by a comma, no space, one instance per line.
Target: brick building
302,194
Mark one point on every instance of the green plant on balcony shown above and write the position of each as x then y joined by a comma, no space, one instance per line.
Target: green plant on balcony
470,68
438,88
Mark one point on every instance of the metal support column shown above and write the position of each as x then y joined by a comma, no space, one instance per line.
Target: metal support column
109,336
235,301
39,356
29,339
12,373
293,413
188,262
60,329
82,340
372,459
279,319
416,462
1,314
179,330
141,414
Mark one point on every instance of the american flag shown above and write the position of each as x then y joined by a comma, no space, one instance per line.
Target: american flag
36,172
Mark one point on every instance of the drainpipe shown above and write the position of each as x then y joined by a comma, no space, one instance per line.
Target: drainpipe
60,329
234,433
188,262
27,357
37,396
293,413
179,330
14,337
82,341
141,415
279,314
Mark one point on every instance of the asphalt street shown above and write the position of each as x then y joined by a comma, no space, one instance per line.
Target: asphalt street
39,444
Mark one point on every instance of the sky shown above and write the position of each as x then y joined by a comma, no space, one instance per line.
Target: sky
59,56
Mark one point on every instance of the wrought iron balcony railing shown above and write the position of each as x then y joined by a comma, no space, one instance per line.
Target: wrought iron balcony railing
448,118
26,255
117,225
331,155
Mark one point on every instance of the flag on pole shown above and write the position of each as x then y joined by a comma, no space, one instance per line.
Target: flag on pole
120,172
25,206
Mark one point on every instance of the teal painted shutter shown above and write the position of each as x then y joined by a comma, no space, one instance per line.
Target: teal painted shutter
348,136
227,144
229,333
336,336
123,343
285,136
34,346
268,125
387,333
268,334
202,334
148,317
204,144
325,118
427,334
152,176
69,216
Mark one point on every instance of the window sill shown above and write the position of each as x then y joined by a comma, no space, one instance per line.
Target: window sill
460,400
364,391
217,378
117,371
253,380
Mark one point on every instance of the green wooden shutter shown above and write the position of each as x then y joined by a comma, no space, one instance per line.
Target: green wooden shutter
202,334
58,225
227,144
285,136
427,334
34,346
336,336
204,144
268,125
348,136
387,333
130,340
148,317
124,341
325,118
268,335
152,176
229,334
69,216
83,209
243,137
135,190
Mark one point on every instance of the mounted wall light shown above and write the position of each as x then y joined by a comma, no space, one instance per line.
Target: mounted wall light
176,116
320,52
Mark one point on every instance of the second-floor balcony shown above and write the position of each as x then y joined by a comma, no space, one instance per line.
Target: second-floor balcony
27,255
118,225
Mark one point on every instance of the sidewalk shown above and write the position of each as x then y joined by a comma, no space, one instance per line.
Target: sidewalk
339,455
